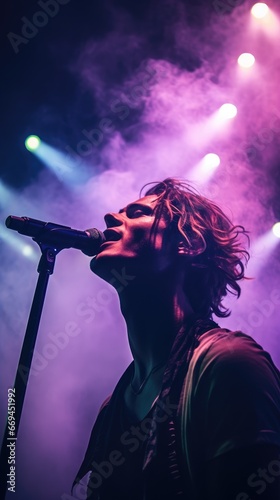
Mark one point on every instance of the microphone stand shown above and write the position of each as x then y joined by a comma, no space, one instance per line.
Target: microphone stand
45,269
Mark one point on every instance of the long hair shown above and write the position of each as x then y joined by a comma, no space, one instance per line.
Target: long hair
221,262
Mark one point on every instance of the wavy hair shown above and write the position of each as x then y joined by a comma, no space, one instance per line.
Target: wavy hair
221,262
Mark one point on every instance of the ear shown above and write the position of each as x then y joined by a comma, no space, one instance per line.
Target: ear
196,249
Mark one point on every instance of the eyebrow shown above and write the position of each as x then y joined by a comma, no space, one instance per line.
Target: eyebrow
135,205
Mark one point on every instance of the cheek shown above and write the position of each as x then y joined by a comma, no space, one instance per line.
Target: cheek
139,236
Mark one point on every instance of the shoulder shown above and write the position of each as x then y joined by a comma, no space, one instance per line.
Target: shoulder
222,350
232,393
232,366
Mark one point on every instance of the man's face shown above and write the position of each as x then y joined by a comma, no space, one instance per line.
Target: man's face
130,240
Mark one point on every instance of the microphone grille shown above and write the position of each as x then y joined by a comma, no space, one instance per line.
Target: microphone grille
95,241
96,234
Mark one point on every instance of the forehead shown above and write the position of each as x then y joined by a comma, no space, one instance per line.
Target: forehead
148,201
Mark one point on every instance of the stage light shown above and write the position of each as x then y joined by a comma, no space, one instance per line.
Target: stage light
228,111
5,194
246,60
262,248
276,229
259,10
32,142
204,170
69,170
211,160
27,251
16,241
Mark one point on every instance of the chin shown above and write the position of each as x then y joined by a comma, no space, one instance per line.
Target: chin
115,269
104,263
102,269
101,264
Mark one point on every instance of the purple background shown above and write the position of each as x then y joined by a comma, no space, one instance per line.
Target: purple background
170,65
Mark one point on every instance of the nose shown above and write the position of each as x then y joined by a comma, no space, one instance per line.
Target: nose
111,220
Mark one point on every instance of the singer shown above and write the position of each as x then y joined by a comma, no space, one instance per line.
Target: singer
196,415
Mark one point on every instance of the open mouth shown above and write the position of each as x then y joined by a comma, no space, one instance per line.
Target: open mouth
111,235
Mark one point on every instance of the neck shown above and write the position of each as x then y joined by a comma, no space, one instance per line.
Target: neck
154,311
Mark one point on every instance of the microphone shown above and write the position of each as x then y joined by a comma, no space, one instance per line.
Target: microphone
88,241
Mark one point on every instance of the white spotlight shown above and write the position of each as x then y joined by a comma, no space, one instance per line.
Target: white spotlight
228,111
276,229
246,60
211,160
27,251
259,10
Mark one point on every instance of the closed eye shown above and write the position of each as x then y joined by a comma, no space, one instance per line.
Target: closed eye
135,210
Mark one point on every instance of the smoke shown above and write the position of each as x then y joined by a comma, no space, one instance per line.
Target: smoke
158,88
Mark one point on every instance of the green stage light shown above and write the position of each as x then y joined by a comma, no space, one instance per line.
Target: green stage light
32,142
